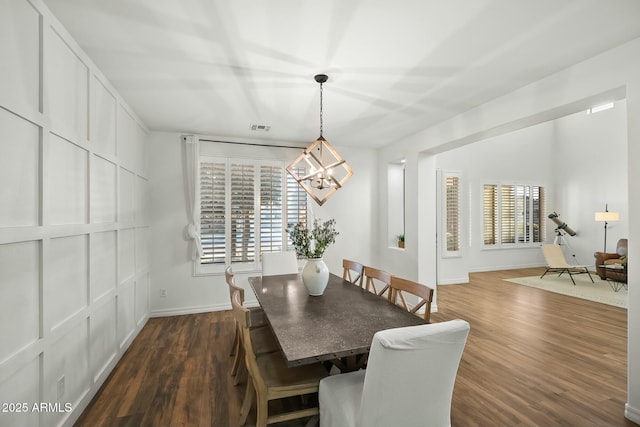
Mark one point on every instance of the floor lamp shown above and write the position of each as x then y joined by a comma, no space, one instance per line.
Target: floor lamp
607,217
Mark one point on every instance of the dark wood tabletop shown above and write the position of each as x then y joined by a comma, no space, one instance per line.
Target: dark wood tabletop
338,324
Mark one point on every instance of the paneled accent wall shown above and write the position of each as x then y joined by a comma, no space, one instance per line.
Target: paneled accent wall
74,222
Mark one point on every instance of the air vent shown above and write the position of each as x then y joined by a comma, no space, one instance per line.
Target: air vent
260,128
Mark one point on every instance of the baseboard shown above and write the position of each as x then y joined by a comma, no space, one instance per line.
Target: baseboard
189,310
632,413
503,267
458,281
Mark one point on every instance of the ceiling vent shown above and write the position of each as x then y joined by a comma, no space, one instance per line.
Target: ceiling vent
260,128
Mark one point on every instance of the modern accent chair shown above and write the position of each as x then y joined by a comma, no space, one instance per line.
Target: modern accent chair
556,263
275,263
408,382
617,258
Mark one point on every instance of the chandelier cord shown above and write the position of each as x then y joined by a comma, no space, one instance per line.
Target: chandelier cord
320,109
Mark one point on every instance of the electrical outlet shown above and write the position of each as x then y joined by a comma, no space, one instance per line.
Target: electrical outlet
60,388
163,293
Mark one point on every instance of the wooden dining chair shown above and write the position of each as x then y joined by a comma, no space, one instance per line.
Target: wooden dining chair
352,271
377,281
399,287
263,337
270,378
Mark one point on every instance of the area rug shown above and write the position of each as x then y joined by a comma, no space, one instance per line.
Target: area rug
600,291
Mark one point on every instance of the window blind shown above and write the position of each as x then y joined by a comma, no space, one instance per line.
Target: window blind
452,186
296,203
538,214
508,214
245,207
212,212
489,214
271,208
242,212
514,213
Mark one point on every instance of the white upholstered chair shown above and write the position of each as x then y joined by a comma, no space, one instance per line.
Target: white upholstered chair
408,381
274,263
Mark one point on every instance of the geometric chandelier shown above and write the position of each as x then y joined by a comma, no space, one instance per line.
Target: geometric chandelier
319,169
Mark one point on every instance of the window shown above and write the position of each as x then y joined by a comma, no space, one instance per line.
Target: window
395,201
245,208
452,213
512,214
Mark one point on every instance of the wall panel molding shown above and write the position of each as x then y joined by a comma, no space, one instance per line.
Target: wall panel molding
74,262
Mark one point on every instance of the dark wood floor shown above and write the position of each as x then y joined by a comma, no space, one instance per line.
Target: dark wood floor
533,358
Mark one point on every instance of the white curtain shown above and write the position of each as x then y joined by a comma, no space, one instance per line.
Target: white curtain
192,150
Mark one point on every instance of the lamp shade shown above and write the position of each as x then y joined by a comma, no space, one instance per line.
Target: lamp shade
607,216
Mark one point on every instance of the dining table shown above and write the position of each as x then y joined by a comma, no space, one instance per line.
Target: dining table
337,326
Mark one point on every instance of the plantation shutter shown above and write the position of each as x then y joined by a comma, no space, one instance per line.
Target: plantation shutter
508,213
212,212
296,203
489,214
452,185
537,218
242,212
244,204
522,213
519,210
271,208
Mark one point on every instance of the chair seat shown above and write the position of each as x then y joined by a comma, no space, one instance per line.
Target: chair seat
343,395
556,263
281,379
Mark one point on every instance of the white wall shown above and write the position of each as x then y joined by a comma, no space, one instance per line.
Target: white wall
74,275
591,171
521,157
615,74
353,207
569,157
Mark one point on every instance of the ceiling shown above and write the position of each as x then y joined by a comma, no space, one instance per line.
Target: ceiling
215,67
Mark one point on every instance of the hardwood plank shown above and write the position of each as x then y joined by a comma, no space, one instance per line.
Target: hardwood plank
533,358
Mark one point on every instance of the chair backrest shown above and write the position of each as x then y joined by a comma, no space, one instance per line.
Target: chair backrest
621,247
228,275
553,256
275,263
378,281
352,271
242,315
399,287
410,375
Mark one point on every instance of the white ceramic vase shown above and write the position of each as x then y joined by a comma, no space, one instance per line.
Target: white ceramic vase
315,276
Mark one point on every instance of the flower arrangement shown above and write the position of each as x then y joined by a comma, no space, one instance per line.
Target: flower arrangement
311,243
